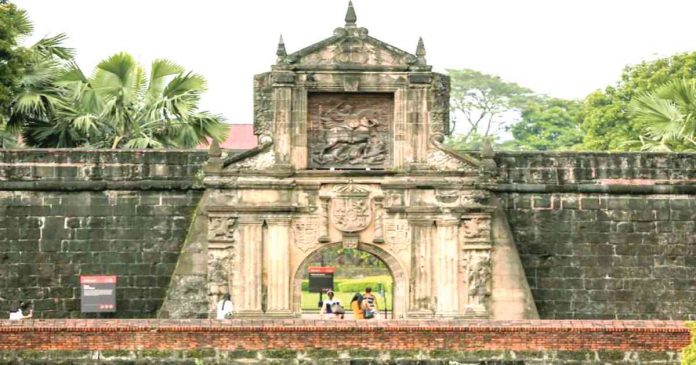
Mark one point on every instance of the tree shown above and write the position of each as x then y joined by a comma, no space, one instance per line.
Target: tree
483,100
27,74
605,117
548,124
668,116
120,106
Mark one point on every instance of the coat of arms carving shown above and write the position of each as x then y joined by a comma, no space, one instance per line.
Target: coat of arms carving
350,208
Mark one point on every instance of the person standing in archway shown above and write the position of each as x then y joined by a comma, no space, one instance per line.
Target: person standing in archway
369,304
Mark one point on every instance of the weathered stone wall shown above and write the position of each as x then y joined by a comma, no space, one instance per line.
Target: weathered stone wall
66,213
604,235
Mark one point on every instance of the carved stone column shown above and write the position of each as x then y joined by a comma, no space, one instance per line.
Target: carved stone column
277,248
476,264
221,240
422,294
446,259
248,286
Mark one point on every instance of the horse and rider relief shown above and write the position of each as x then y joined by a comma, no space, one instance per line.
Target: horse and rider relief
350,130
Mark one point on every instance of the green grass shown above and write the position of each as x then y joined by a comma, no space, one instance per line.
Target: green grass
346,288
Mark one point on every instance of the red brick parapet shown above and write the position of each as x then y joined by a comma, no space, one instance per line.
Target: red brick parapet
568,335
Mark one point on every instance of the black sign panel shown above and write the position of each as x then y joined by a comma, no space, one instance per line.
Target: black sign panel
320,279
98,294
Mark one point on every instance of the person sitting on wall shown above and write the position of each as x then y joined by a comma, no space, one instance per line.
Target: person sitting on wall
332,306
356,306
23,312
224,307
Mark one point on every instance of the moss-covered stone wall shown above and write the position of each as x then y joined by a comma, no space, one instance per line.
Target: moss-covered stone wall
66,213
604,235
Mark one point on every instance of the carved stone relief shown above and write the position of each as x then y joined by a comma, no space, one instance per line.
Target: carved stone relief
221,228
476,228
479,278
397,235
306,232
350,208
350,130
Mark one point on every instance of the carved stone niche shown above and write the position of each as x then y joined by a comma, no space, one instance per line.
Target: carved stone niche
350,130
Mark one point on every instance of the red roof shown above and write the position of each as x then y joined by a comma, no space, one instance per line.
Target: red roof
241,137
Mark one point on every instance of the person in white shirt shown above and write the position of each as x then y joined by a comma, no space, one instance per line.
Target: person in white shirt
23,312
224,307
332,306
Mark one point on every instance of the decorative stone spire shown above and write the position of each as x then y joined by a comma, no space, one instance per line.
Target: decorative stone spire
280,52
420,51
351,18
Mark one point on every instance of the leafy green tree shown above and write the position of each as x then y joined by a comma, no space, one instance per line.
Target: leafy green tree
483,101
27,74
121,106
668,116
548,124
605,117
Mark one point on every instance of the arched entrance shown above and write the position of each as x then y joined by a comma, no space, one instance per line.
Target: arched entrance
398,274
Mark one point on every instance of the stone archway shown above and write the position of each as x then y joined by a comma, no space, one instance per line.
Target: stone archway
396,271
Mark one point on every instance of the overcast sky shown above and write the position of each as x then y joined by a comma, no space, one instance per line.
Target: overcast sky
562,48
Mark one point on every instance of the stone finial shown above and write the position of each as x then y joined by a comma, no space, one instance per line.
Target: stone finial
488,165
420,51
351,18
280,52
214,150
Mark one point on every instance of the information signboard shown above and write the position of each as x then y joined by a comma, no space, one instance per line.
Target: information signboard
321,278
98,293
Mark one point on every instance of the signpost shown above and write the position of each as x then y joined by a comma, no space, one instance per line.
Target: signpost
321,280
98,293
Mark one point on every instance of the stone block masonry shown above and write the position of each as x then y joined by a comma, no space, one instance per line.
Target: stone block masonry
343,342
66,213
600,235
604,235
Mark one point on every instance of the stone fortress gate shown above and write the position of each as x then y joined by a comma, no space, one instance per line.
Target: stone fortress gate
350,153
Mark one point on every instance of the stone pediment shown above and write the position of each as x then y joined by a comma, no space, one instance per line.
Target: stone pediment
348,49
351,48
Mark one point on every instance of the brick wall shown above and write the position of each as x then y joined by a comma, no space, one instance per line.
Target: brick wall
604,235
510,342
65,213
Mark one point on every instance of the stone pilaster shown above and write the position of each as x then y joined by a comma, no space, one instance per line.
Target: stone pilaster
283,83
476,277
248,288
446,269
277,263
422,268
379,214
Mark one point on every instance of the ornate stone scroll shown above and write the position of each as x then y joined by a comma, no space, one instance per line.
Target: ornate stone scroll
350,130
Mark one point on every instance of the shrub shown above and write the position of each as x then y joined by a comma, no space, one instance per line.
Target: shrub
359,285
689,352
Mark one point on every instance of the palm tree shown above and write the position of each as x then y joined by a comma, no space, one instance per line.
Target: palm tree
668,115
120,107
30,72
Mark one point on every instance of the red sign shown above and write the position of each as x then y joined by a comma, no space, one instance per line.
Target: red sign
103,279
321,270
